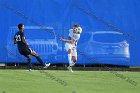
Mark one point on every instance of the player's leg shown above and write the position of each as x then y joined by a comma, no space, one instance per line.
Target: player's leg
68,48
74,56
33,53
26,53
70,56
29,61
74,59
37,57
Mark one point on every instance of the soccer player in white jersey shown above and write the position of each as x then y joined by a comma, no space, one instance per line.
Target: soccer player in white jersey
71,45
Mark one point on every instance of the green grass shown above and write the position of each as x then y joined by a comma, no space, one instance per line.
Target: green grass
23,81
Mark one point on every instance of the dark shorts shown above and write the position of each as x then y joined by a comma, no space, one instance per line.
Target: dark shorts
25,52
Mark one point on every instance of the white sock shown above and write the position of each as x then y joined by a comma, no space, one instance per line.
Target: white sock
69,58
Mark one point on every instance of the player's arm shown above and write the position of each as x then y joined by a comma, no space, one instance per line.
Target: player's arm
69,41
24,41
15,42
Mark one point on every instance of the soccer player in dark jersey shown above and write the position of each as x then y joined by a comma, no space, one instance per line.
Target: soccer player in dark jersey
24,49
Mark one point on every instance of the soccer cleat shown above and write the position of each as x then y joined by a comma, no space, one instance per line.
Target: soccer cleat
47,65
70,69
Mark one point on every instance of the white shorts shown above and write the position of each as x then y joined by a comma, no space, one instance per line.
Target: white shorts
72,47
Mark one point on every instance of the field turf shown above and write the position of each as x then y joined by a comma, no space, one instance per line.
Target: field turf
56,81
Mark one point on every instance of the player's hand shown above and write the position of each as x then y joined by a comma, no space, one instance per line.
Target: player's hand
15,42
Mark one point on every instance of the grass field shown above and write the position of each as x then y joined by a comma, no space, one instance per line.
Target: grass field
23,81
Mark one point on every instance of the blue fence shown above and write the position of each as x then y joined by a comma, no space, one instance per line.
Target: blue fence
110,30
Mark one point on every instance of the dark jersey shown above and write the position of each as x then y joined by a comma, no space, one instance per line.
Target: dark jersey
19,39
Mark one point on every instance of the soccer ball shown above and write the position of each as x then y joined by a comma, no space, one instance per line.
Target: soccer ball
78,30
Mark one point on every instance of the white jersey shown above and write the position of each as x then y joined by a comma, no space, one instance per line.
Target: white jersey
73,36
73,46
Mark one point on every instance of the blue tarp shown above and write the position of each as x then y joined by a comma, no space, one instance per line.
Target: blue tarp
59,16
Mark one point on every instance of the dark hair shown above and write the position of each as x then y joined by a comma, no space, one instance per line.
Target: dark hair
19,26
76,25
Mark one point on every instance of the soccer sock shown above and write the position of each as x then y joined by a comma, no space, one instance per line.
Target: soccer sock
69,58
29,63
40,60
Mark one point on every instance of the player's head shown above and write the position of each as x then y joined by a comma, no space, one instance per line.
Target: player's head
76,25
21,27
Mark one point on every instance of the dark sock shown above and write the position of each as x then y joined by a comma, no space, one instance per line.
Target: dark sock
40,60
29,63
